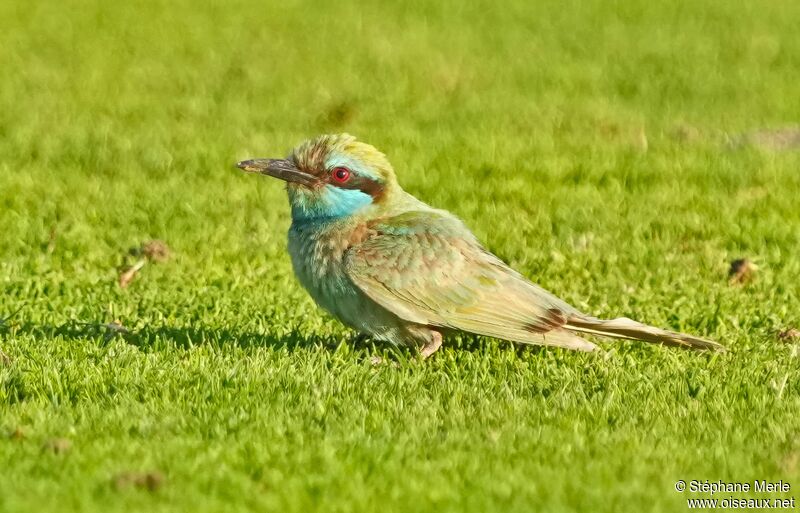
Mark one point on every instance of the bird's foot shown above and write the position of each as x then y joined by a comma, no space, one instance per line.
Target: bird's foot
432,345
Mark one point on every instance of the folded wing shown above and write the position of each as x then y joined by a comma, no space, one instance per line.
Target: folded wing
427,268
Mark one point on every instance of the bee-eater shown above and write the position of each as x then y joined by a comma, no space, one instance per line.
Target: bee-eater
388,265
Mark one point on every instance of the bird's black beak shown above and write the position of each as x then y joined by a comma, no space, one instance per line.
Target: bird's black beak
279,168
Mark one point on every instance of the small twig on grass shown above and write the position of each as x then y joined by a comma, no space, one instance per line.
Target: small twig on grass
150,251
127,275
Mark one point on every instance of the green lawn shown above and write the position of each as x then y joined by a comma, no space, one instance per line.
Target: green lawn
592,145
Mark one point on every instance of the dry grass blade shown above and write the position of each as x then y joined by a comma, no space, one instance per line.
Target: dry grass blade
129,273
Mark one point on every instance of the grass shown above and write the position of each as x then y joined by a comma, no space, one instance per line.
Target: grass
587,143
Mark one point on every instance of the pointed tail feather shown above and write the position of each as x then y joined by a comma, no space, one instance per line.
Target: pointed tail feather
623,327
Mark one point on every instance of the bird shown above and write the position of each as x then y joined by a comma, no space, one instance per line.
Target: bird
395,269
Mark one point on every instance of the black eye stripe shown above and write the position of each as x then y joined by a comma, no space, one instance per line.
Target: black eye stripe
366,185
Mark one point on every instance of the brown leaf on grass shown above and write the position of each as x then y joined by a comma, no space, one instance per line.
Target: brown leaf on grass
150,481
789,335
155,250
742,271
57,445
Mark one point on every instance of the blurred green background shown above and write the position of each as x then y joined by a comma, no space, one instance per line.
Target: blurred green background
620,154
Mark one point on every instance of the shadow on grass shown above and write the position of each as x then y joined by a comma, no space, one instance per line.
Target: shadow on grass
153,337
156,337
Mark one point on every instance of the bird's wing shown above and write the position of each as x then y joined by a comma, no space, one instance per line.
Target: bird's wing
427,268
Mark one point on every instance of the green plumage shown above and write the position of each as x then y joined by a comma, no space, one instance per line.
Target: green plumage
392,267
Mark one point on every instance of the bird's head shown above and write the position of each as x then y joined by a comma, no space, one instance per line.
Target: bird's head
331,176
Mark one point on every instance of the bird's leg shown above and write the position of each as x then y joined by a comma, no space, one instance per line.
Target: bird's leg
433,343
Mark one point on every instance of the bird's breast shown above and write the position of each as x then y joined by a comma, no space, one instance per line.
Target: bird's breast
317,251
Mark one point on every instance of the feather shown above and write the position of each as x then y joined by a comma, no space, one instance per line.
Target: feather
427,268
625,328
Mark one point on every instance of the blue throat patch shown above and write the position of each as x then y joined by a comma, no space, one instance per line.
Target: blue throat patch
331,203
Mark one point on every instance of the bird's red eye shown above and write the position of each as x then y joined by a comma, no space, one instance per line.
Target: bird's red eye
340,174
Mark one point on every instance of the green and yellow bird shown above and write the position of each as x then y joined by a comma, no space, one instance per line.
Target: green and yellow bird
388,265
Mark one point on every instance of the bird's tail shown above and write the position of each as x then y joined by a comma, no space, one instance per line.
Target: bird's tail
623,327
